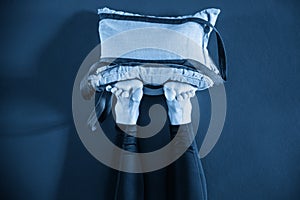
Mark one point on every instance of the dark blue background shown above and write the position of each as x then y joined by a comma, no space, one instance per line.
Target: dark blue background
42,46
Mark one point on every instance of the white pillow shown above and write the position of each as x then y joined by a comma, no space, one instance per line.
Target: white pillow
134,36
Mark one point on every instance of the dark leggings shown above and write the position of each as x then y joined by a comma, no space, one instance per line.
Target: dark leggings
186,178
129,185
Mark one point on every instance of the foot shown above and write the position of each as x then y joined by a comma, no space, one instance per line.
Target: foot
129,94
178,97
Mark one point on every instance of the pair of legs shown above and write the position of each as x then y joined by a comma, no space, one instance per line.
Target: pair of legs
185,176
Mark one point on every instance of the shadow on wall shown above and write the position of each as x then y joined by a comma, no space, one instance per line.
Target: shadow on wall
58,65
62,57
41,153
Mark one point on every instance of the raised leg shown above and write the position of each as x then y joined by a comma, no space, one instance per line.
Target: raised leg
179,104
129,94
186,176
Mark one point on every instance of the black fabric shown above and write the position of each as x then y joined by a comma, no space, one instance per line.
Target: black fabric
186,176
129,186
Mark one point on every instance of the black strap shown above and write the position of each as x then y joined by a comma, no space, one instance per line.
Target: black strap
102,108
206,24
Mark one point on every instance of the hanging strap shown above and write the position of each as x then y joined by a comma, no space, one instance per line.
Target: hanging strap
220,46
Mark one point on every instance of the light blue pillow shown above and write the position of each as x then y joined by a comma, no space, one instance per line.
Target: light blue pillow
134,36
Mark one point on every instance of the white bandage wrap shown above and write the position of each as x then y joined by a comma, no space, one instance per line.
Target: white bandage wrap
150,75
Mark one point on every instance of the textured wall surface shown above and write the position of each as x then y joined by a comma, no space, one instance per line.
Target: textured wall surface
42,46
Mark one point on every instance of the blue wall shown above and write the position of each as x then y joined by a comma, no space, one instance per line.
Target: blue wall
42,46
